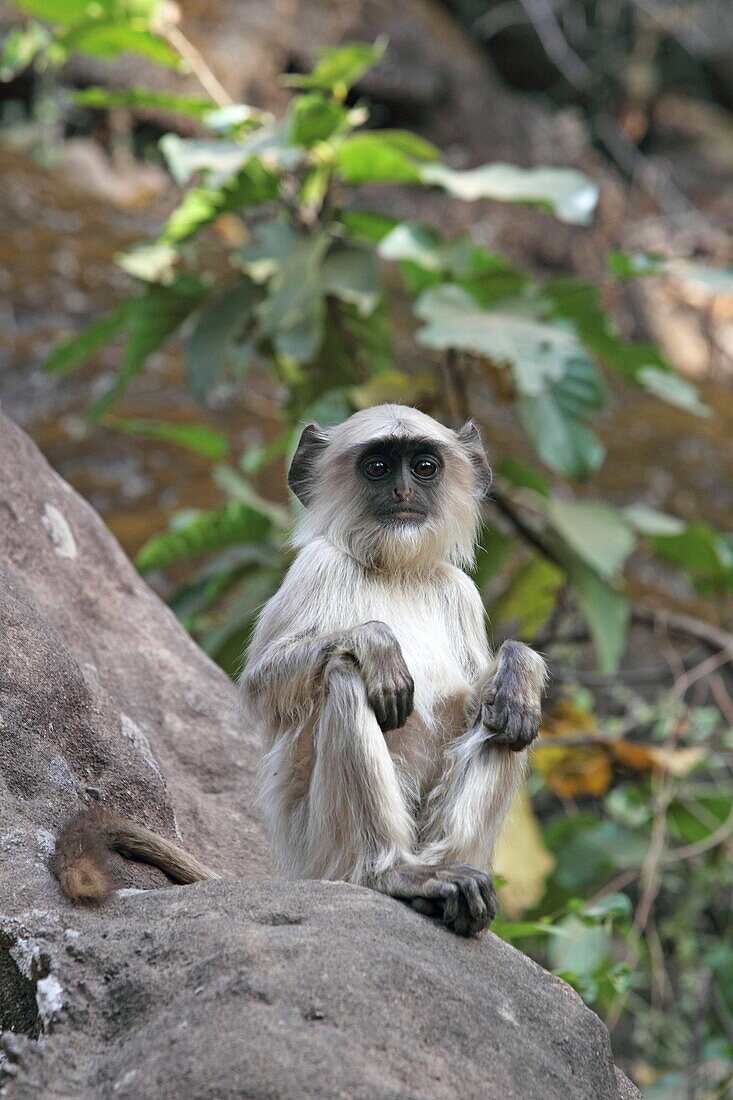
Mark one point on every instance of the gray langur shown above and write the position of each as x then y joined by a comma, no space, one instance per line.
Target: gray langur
391,737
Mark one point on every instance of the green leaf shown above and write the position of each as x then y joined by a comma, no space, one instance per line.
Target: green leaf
313,118
635,265
415,242
255,458
237,117
605,610
672,389
253,184
195,437
20,47
272,244
152,263
701,551
584,952
597,533
109,39
612,905
426,260
538,352
563,443
382,156
227,526
530,597
492,552
292,314
240,613
148,98
351,273
200,206
72,353
515,930
363,342
150,319
220,324
684,818
577,301
570,195
315,185
64,12
218,160
340,68
557,383
523,476
366,226
648,521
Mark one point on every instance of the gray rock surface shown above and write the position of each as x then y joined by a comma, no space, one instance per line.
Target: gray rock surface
282,990
103,695
245,988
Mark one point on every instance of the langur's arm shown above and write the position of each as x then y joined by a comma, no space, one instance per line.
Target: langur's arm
286,676
283,677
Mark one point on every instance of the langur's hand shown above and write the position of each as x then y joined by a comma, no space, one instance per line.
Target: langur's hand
390,688
512,701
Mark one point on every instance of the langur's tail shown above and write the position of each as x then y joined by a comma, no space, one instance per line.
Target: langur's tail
81,859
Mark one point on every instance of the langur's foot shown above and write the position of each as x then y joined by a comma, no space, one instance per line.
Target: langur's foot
457,895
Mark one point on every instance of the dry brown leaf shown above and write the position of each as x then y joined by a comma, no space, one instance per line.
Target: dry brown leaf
575,770
586,768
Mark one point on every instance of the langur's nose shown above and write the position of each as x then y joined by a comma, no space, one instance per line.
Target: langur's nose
402,488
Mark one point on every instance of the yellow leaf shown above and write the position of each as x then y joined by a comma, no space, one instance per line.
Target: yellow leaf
521,858
393,386
565,718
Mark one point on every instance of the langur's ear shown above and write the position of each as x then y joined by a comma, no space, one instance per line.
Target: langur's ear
313,441
470,439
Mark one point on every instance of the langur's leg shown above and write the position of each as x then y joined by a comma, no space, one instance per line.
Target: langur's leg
483,769
358,821
464,811
359,826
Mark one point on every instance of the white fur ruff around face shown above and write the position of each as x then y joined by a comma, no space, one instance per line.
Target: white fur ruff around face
333,511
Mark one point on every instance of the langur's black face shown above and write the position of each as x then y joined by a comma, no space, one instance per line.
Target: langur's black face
400,480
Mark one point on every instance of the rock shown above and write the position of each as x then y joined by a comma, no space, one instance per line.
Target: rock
285,990
244,988
103,695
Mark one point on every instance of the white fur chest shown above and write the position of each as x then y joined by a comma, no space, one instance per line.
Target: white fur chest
428,628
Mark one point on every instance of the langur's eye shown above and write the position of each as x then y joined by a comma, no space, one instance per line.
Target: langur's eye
375,468
425,467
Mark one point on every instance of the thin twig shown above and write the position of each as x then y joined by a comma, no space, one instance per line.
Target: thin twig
196,64
713,636
690,851
457,382
652,179
651,881
705,668
722,697
501,501
556,45
589,678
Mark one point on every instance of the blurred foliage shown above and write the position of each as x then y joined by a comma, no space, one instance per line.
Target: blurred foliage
632,898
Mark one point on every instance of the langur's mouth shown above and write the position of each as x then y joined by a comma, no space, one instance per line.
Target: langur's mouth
405,515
